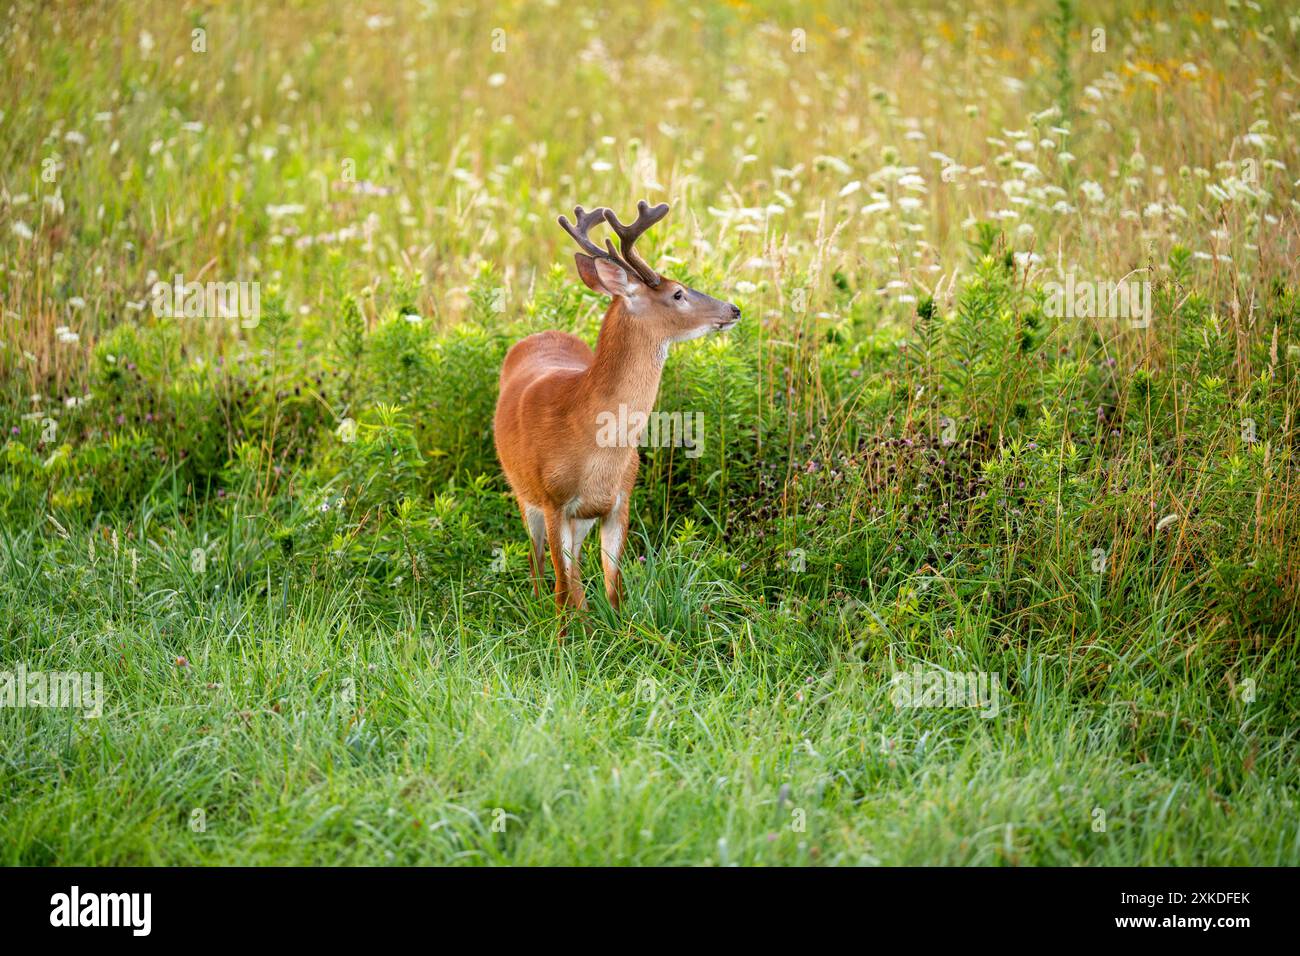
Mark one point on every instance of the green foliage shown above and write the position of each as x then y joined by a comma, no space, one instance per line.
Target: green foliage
1064,21
287,547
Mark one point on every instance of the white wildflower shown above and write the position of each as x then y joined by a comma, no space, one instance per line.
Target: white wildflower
833,163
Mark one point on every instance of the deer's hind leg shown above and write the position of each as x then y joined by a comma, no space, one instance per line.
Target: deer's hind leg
559,537
535,522
564,535
580,529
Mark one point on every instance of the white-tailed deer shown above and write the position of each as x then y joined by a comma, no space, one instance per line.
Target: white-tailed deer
555,393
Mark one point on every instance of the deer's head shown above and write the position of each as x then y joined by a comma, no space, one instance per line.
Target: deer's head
666,309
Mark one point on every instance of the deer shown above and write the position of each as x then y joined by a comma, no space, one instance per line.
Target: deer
555,392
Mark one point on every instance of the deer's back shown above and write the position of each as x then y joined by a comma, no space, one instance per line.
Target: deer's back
538,383
541,353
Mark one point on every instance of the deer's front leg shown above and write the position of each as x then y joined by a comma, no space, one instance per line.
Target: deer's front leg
613,535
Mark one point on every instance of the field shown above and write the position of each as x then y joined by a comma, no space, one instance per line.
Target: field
981,560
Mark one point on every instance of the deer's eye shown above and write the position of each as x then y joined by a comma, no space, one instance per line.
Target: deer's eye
678,295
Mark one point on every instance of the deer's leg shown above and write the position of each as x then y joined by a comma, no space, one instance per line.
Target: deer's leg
613,535
559,537
535,521
580,527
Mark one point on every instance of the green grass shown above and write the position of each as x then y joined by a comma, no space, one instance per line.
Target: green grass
908,462
313,727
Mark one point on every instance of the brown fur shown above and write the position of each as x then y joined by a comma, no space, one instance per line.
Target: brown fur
553,390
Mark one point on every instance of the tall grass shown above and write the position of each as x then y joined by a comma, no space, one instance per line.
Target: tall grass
286,546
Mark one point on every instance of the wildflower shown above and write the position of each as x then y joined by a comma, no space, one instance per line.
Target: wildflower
833,163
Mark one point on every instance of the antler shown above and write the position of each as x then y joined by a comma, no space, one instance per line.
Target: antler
585,221
628,235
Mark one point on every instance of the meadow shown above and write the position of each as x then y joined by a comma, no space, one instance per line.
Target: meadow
937,444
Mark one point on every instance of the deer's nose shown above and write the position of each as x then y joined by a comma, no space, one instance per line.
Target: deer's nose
735,312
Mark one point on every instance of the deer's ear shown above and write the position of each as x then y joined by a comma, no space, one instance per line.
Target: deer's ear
612,280
587,271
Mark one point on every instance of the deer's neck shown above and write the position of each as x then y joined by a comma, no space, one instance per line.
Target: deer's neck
628,364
